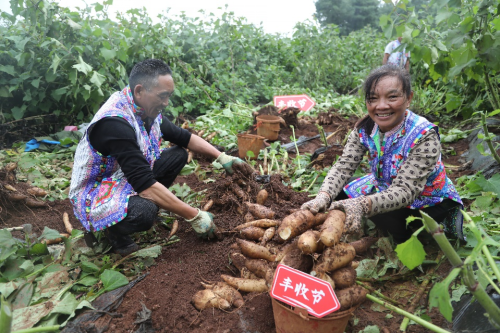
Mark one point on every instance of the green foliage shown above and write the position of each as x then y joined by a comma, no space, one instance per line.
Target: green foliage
67,63
411,252
349,15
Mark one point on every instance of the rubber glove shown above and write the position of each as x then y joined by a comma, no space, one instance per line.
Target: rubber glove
203,225
355,209
231,164
319,204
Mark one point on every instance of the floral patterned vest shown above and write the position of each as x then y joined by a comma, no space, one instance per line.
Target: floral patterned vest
393,153
99,190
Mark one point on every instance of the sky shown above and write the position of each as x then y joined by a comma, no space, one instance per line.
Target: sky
275,16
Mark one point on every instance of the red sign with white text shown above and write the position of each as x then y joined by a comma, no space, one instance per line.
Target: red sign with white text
303,102
297,288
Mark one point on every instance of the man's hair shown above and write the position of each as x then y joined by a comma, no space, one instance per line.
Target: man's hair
372,81
147,72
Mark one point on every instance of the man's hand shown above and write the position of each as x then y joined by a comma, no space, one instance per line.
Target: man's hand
355,209
231,164
319,204
203,225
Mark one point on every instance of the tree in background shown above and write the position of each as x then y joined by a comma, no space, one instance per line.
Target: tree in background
349,15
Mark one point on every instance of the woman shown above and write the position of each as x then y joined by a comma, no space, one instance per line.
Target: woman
407,174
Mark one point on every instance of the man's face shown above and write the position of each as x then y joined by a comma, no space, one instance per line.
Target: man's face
156,99
387,103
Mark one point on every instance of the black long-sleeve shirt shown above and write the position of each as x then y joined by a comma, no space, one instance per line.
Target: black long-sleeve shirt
114,136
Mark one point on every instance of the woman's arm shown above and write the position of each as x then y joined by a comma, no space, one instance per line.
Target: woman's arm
345,167
411,178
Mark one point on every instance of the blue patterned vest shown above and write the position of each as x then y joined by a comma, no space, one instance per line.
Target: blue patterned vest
394,152
99,191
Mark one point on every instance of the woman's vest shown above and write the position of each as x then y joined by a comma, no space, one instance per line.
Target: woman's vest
386,160
99,190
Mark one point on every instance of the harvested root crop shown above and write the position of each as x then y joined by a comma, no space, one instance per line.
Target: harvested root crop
261,269
320,218
16,197
37,192
344,277
259,211
264,223
292,256
327,278
67,224
351,297
336,257
333,227
252,233
362,245
208,299
255,251
33,203
262,196
295,224
309,242
268,235
227,292
248,217
238,260
173,231
246,285
237,190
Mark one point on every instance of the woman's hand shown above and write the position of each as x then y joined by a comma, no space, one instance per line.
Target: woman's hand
319,204
355,209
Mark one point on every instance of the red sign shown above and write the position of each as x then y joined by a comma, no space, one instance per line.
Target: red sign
303,102
296,288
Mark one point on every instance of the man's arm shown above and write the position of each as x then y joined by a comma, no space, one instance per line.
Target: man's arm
201,146
386,57
165,199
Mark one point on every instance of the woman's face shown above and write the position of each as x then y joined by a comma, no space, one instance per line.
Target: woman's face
387,103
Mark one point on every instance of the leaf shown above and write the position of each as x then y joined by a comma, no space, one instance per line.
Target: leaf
370,329
411,252
36,83
439,296
17,112
108,54
49,234
9,69
492,184
89,267
82,66
88,281
7,288
494,112
153,252
458,293
113,280
83,304
55,63
23,297
367,268
97,79
73,24
6,239
39,249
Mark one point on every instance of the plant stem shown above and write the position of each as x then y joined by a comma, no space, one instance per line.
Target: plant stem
487,138
492,92
467,272
47,329
312,183
372,290
413,317
5,316
420,293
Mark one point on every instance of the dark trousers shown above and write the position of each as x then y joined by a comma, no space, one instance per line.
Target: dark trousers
394,222
141,213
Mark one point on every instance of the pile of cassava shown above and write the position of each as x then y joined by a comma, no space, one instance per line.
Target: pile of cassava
301,240
9,194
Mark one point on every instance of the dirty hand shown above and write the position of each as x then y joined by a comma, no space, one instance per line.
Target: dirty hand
203,225
355,209
319,204
231,164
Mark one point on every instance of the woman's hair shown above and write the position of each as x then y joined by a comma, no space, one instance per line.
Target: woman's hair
371,83
147,72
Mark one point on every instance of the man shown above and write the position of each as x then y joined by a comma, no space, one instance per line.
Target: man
120,175
400,58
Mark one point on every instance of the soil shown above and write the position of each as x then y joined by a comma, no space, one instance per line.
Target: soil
176,277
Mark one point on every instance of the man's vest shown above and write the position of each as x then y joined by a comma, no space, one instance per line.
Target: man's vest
99,190
387,159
